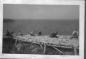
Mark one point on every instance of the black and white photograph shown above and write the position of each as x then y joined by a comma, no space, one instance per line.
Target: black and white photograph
40,29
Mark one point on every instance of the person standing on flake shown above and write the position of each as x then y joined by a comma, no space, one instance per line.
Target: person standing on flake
75,34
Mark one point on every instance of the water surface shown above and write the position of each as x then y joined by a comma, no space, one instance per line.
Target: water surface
45,26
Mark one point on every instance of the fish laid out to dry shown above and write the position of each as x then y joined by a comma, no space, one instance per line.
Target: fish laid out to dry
63,41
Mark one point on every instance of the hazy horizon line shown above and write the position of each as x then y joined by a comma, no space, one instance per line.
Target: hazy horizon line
37,19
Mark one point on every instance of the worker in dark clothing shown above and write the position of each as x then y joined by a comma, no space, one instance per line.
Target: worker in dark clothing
39,33
54,34
75,34
9,34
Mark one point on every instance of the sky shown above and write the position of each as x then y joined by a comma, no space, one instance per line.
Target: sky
27,11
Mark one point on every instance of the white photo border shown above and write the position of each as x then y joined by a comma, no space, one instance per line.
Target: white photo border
49,2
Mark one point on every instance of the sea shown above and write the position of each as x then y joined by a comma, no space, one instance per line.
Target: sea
63,27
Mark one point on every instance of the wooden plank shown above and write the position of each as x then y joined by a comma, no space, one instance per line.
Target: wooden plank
58,50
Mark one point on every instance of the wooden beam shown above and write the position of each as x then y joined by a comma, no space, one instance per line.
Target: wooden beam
39,45
58,50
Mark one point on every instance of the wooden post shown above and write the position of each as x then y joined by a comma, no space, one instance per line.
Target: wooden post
44,50
75,51
15,42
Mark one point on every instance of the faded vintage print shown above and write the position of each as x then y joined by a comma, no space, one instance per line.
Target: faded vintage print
40,29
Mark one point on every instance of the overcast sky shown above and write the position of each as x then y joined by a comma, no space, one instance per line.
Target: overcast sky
21,11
